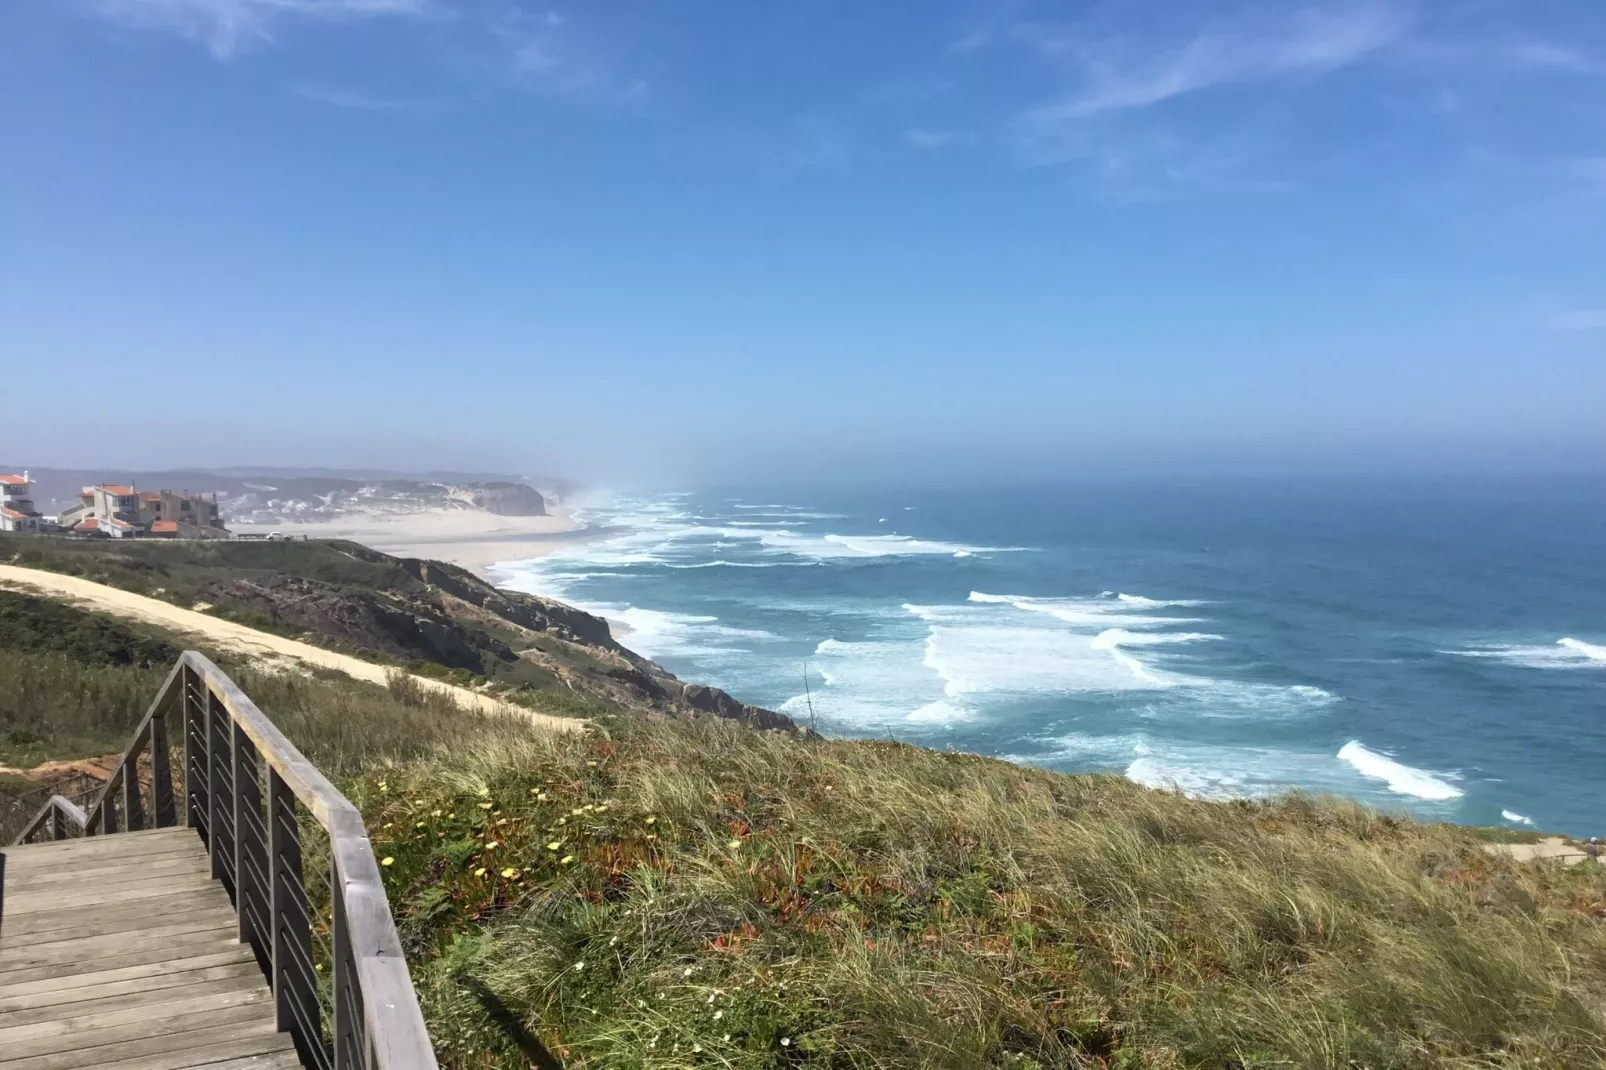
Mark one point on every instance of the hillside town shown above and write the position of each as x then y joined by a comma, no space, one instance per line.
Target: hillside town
112,510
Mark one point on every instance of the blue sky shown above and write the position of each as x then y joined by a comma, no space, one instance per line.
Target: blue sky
730,239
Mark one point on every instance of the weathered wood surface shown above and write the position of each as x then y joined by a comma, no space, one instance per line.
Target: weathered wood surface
121,952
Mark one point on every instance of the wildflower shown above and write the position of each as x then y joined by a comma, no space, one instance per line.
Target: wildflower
554,845
535,791
485,791
434,813
387,860
786,1042
580,965
718,1015
501,821
419,825
388,824
652,820
686,972
485,806
734,844
592,764
694,1047
601,808
612,940
510,872
480,872
726,1038
565,860
576,812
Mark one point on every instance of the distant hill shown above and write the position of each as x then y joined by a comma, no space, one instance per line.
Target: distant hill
275,495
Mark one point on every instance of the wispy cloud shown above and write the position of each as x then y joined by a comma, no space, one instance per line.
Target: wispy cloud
1549,56
1306,44
225,27
354,101
548,56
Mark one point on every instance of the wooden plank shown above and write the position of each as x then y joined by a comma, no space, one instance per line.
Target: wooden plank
170,1051
193,920
60,999
285,1060
103,1035
156,889
113,844
183,863
63,951
191,945
47,1020
64,984
116,918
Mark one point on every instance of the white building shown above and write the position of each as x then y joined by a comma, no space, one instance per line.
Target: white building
16,505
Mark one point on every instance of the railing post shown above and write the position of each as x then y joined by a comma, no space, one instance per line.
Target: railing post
294,980
58,828
250,848
133,802
166,814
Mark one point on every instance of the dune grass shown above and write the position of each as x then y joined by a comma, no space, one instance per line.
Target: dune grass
697,894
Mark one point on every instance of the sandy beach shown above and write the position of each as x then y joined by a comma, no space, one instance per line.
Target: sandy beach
471,538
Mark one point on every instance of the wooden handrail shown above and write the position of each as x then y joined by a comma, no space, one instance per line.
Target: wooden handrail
253,834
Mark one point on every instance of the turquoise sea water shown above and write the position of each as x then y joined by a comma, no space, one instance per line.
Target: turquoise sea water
1437,647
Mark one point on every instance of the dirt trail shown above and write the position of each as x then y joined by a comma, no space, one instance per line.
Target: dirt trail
1552,848
250,641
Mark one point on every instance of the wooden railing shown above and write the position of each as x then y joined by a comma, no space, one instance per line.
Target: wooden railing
323,933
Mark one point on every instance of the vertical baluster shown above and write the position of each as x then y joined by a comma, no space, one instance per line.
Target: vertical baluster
194,751
293,993
58,828
108,803
133,801
347,998
212,714
250,865
166,814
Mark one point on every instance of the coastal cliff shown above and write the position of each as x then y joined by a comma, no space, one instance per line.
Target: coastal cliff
428,616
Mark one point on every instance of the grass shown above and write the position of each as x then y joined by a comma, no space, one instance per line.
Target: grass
696,894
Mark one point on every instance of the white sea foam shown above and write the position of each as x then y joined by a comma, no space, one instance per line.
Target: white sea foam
1401,779
655,633
1100,612
1516,819
1201,770
1565,653
1155,603
834,546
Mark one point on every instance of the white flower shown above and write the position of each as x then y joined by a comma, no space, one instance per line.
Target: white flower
580,965
718,1015
786,1042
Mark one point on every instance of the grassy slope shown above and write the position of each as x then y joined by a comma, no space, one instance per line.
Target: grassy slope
730,898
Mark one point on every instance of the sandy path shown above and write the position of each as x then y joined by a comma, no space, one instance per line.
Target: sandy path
1551,848
250,641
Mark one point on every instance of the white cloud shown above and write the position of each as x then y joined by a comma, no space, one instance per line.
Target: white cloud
227,26
1306,44
1547,55
345,98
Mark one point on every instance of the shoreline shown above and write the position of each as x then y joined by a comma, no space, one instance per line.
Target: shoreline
472,539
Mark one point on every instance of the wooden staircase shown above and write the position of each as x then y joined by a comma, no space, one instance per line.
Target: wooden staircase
255,934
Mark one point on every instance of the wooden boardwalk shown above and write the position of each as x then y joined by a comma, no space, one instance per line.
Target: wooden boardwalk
121,952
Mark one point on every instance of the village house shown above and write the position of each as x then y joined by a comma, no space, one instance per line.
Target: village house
119,511
16,505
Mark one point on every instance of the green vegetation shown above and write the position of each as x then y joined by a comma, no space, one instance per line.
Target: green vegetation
698,894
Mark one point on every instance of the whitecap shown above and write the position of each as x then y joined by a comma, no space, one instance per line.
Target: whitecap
1401,779
1515,818
1565,653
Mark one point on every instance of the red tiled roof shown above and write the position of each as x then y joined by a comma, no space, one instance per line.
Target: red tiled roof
13,481
13,514
92,524
117,489
161,527
151,496
122,524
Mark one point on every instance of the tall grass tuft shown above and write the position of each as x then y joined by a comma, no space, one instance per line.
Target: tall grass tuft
740,899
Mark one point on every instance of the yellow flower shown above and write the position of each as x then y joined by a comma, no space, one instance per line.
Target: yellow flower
485,791
510,872
554,845
480,872
734,844
651,820
450,817
485,806
419,825
388,824
576,812
535,791
387,860
565,860
434,813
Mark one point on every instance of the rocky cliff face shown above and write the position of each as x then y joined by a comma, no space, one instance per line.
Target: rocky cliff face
506,499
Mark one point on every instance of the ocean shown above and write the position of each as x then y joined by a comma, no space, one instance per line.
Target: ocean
1431,647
